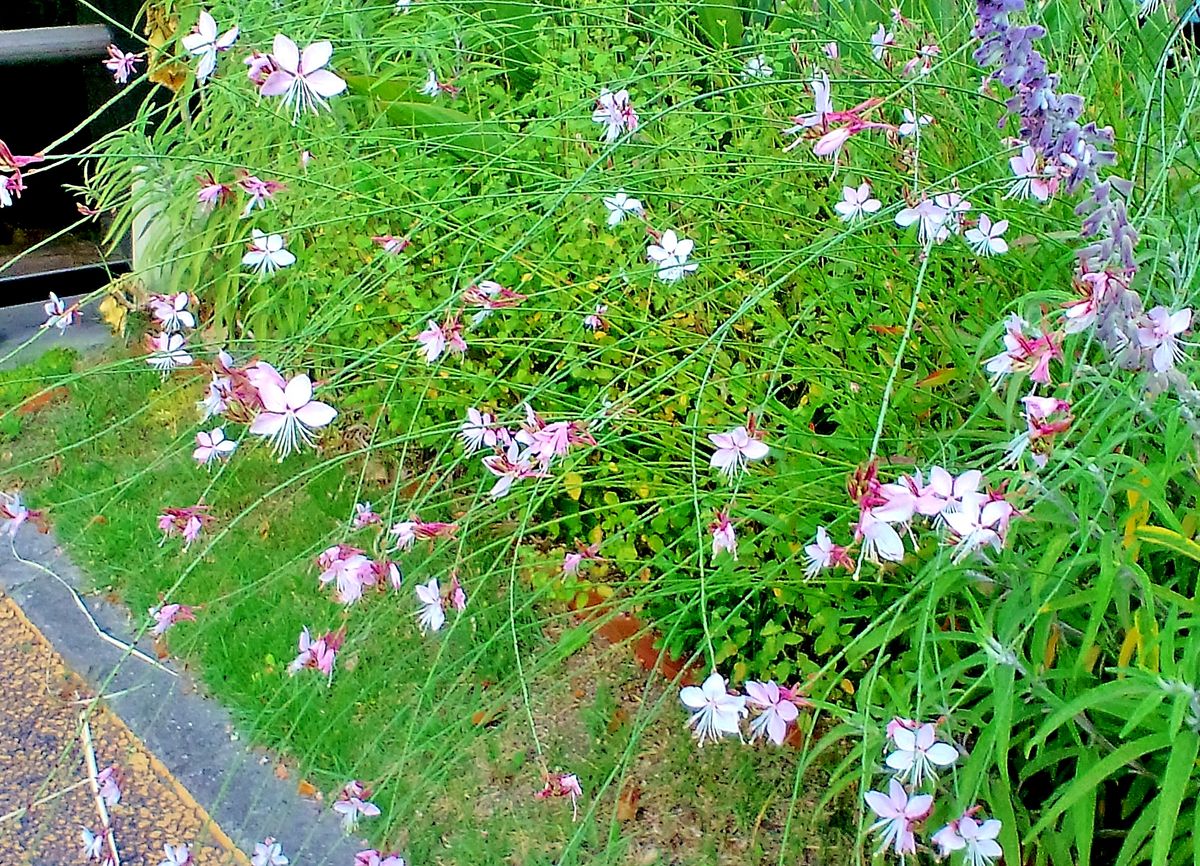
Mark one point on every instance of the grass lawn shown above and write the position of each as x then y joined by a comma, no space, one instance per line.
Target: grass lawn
452,731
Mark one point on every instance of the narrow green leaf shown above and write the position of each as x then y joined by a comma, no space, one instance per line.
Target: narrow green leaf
1096,774
1180,766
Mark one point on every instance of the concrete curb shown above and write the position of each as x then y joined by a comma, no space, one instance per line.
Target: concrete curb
19,323
193,736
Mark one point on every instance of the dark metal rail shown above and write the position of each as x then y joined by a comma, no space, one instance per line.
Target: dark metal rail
54,44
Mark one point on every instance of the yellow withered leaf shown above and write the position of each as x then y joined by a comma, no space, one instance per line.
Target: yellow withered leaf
114,314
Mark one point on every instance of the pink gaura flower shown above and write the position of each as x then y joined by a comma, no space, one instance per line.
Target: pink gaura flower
955,207
975,838
924,59
436,339
575,559
108,785
259,191
831,50
371,857
348,570
212,445
776,708
301,77
391,244
432,615
364,516
489,295
59,314
184,522
259,68
268,852
290,415
171,311
898,812
562,785
723,536
435,87
735,450
1159,333
353,803
1031,354
822,105
1033,179
545,441
1045,418
458,595
319,654
615,113
621,205
822,553
212,193
408,532
167,615
832,128
919,754
121,65
510,465
715,712
14,512
1098,290
204,43
595,321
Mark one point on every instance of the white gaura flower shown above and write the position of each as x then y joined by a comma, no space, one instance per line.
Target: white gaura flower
881,40
756,67
880,541
987,239
912,122
301,78
432,615
290,415
976,839
432,86
212,445
204,43
168,351
715,712
671,255
856,202
955,207
620,205
268,853
267,254
918,754
615,113
931,221
479,430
